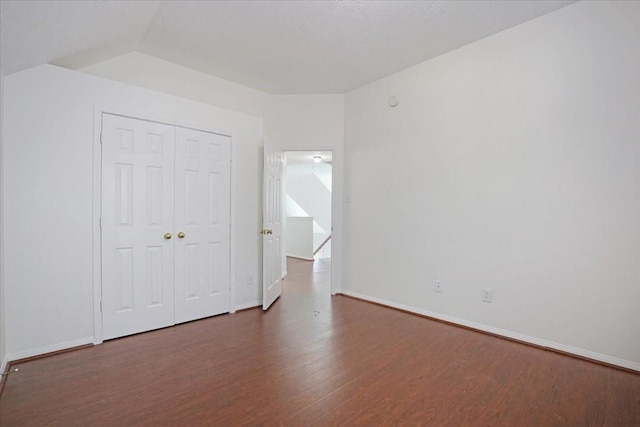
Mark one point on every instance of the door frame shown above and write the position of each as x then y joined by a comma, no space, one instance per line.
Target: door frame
96,206
337,206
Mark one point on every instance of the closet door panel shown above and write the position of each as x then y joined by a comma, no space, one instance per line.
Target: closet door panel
202,213
137,212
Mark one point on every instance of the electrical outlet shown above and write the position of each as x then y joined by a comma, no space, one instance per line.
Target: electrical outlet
438,287
487,295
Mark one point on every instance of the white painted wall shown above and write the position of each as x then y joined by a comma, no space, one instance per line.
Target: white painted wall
510,164
307,191
293,209
48,161
304,122
3,351
157,74
305,187
300,237
313,122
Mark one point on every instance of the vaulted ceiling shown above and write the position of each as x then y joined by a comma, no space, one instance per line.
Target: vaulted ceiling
273,46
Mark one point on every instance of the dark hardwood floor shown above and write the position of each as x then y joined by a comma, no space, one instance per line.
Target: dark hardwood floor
318,360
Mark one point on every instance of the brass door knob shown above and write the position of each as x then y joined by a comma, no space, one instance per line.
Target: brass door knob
167,236
269,231
180,235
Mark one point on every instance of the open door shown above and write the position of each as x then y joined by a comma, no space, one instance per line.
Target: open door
272,218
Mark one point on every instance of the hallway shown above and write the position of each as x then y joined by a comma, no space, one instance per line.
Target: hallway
308,284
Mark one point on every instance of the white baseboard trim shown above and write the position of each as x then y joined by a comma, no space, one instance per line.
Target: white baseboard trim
628,364
3,365
248,305
11,357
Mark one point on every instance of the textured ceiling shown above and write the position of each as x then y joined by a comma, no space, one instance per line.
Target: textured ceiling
38,32
273,46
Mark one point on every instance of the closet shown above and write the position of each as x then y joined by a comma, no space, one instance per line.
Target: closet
165,225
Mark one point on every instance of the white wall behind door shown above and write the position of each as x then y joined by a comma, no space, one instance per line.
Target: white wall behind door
48,160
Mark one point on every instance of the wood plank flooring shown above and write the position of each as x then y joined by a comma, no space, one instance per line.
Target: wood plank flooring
317,360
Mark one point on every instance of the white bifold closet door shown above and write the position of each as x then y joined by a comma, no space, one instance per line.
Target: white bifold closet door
165,225
137,211
202,212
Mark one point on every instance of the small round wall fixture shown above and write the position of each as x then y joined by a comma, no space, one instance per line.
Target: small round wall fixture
317,159
394,101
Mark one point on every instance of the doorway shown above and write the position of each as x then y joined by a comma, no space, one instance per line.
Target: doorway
308,188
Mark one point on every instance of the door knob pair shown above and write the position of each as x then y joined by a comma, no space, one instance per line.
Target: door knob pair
167,236
266,231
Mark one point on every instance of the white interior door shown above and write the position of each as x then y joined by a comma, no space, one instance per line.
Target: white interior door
272,214
203,166
137,212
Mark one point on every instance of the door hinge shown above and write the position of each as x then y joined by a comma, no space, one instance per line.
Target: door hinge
100,222
100,306
100,137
